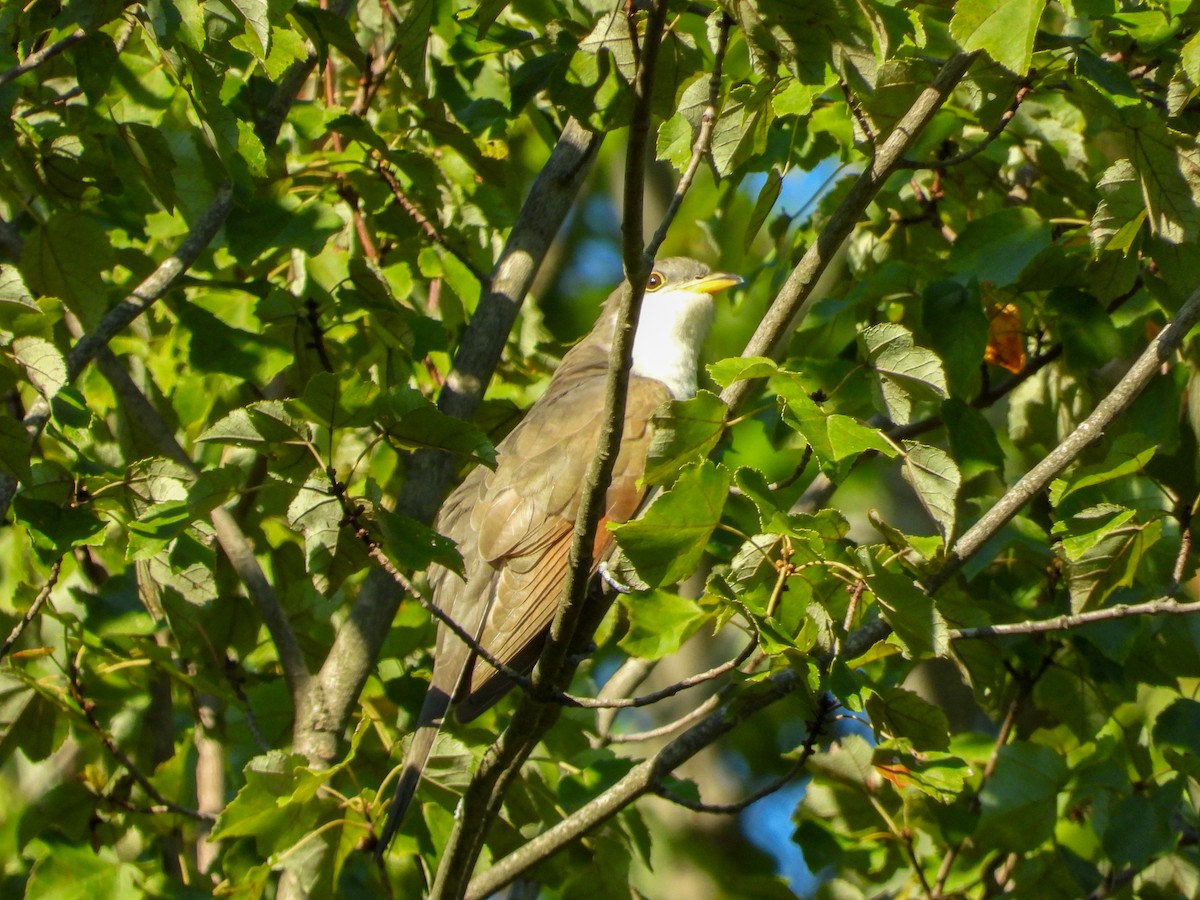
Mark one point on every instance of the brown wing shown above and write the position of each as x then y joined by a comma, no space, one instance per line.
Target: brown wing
521,520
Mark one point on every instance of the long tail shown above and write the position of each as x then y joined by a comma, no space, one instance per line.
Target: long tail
429,722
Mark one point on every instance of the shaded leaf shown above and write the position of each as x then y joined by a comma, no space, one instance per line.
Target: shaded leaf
936,479
265,422
1018,804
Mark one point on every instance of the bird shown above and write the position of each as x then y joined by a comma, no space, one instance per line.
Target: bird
514,525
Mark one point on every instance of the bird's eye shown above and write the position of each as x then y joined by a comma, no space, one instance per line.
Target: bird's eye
655,281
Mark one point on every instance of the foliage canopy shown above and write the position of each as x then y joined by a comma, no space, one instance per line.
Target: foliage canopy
254,255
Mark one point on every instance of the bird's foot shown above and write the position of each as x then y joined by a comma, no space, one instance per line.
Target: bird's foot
612,580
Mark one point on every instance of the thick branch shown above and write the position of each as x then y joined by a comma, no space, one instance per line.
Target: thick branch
790,303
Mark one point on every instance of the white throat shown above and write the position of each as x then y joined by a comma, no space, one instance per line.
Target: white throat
670,331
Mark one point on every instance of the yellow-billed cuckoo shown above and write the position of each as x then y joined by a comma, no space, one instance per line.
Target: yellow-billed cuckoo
514,525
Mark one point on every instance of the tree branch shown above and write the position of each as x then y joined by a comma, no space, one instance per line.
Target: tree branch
1163,606
34,608
816,728
35,59
643,778
791,302
994,132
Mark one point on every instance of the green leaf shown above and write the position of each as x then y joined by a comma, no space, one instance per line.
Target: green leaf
905,373
936,479
686,433
666,543
1179,726
256,13
1129,455
973,442
897,712
15,448
763,206
317,514
908,609
937,775
739,368
13,290
1018,804
29,722
415,545
150,153
43,364
56,529
72,872
1104,547
265,422
1167,163
157,527
674,144
64,259
1090,339
334,402
1004,29
413,422
263,808
1121,211
741,131
659,623
1140,829
335,31
953,317
996,248
832,436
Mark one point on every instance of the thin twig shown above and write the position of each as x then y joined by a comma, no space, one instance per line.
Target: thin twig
34,608
825,707
994,132
672,689
35,59
485,793
1164,606
88,708
431,231
651,734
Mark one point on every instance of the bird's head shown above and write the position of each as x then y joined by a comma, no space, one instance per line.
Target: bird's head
674,320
